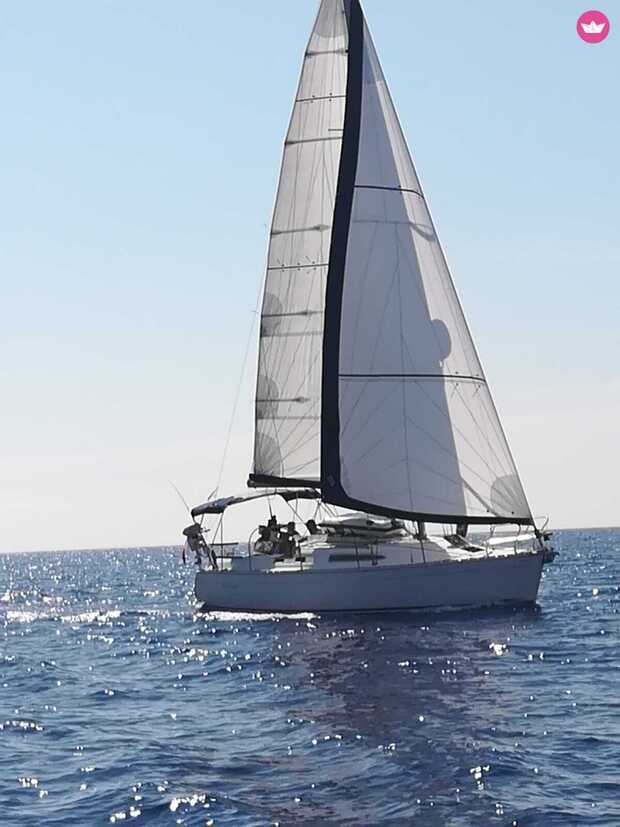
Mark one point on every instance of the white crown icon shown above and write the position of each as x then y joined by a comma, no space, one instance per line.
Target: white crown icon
592,27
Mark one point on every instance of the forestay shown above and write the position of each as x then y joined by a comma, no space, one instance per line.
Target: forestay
288,394
409,425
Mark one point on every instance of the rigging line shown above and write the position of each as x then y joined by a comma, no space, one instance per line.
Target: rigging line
386,493
273,422
295,512
361,292
280,358
375,348
286,355
309,412
308,436
433,439
488,506
506,471
357,319
181,497
280,351
304,375
495,423
380,404
461,462
287,450
372,448
465,439
451,296
412,361
308,360
499,460
457,429
238,391
380,326
283,353
418,279
476,399
311,434
292,362
416,276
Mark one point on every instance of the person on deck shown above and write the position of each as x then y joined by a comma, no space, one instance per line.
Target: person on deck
196,543
288,544
274,529
264,544
312,527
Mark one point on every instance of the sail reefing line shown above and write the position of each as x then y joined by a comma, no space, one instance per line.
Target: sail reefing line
369,384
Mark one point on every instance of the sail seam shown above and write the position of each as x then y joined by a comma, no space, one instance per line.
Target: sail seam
312,53
317,228
411,376
298,313
292,333
389,189
294,142
297,266
319,98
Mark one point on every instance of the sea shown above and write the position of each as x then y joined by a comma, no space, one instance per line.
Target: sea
121,703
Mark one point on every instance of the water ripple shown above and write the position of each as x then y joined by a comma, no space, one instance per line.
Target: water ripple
121,703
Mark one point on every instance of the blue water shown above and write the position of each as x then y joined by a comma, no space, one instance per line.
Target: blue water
119,704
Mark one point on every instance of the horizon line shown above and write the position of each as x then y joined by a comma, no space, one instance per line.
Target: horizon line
179,545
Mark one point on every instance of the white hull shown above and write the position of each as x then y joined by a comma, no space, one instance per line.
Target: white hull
484,581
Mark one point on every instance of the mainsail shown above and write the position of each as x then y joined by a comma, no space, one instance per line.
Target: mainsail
369,383
288,394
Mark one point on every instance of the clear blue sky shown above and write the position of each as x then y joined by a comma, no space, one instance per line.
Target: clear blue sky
139,152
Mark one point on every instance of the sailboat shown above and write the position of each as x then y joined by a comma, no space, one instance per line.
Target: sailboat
372,407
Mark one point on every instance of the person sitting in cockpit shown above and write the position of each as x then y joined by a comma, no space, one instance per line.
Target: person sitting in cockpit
312,527
264,544
288,544
274,529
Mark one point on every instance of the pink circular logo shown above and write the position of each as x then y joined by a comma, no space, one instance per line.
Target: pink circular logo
593,26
